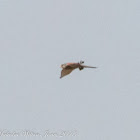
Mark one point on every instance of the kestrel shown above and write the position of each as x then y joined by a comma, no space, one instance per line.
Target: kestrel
67,68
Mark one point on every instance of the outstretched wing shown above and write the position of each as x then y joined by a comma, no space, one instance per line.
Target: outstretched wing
87,66
65,72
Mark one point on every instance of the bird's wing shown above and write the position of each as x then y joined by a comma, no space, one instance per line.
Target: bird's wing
65,72
72,65
87,66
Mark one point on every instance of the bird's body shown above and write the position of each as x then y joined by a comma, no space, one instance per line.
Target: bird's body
67,68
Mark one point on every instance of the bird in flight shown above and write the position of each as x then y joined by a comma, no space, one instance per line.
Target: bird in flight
67,68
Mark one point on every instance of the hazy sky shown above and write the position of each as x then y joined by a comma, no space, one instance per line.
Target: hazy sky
36,37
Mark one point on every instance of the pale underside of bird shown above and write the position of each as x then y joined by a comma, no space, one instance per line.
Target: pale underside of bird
67,68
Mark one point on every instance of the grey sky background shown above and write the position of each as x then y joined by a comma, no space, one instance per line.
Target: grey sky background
36,37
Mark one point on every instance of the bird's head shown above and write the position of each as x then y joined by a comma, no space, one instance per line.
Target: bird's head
81,62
